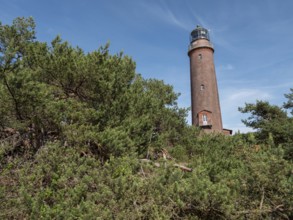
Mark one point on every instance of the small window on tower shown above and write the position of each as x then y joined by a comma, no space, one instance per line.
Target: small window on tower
202,87
204,119
200,56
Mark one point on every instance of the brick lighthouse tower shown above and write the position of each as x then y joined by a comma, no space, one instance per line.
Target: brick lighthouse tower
205,105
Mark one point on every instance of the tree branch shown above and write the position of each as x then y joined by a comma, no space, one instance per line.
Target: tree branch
18,114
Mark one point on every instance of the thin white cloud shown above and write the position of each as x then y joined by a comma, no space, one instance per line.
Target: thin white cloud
171,17
239,127
225,67
13,6
231,99
164,13
197,16
248,94
51,31
201,21
278,86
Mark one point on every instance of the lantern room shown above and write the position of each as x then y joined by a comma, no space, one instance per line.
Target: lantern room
199,33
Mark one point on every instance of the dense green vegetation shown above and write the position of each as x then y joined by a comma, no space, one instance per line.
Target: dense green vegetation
82,135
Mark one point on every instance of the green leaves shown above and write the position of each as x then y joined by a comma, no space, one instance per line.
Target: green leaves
262,113
94,99
272,123
76,129
13,42
289,103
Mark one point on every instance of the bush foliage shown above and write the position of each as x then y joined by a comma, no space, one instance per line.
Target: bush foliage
83,136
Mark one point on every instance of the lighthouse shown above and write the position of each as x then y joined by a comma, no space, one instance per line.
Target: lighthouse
205,104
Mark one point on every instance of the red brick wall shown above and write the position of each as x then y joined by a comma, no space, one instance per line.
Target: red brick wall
204,89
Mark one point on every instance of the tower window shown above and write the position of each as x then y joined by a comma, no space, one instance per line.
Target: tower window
202,87
200,56
204,119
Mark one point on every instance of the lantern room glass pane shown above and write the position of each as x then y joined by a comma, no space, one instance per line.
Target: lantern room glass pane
199,33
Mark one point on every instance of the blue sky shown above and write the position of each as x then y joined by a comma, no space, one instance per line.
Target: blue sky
253,41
